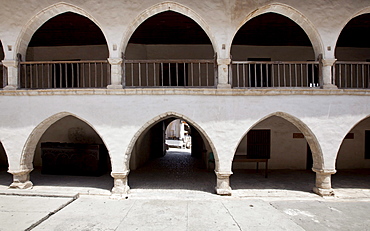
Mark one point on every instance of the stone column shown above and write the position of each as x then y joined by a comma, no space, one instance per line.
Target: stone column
323,182
223,73
116,73
327,65
21,179
12,67
223,184
121,188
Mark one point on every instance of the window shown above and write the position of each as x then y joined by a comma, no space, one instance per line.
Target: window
258,144
367,144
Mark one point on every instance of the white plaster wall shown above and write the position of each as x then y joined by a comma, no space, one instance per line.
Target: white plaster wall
352,151
118,117
286,152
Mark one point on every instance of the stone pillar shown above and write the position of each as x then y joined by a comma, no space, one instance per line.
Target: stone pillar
223,184
323,182
21,179
223,73
327,65
121,188
116,73
12,67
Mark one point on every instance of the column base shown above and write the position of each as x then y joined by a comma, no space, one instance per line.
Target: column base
323,192
121,189
10,87
114,87
223,187
223,86
329,86
21,179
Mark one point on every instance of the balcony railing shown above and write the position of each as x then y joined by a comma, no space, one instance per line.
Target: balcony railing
351,74
64,74
270,74
169,73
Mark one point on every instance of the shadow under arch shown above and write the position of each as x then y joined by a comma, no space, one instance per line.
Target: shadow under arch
293,14
43,16
33,139
306,131
162,7
162,117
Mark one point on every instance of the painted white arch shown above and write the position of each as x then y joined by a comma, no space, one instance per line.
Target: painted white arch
35,136
295,16
43,16
162,117
317,155
160,8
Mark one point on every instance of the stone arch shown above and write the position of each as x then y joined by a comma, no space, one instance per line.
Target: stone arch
345,22
159,118
311,139
31,143
295,16
162,7
43,16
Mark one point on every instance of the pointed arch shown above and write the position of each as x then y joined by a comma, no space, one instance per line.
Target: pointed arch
318,160
162,117
295,16
43,16
31,143
162,7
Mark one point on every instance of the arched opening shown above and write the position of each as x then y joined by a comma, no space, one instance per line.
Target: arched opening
285,148
63,53
271,50
71,153
5,178
161,158
352,69
353,159
2,69
173,51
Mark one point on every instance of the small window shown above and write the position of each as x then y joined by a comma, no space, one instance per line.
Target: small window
367,144
258,144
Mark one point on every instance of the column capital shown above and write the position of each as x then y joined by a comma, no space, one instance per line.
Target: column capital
328,62
121,188
115,61
21,179
10,63
120,175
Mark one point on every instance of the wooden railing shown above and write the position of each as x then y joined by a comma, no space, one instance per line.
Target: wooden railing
351,74
169,73
64,74
265,74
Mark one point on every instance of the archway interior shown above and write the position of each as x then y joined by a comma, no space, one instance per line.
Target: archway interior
354,41
353,158
271,37
287,151
3,159
71,147
155,164
166,42
1,66
67,36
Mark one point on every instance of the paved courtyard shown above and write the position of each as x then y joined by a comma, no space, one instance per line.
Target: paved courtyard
177,193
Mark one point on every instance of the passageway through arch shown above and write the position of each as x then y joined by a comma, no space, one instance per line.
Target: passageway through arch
160,163
286,149
5,178
71,153
353,159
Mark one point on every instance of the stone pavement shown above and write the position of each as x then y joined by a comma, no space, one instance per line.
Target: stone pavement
178,194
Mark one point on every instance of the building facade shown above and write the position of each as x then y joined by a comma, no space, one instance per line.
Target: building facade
116,73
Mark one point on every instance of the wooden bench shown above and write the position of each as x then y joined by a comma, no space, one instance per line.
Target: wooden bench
244,158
